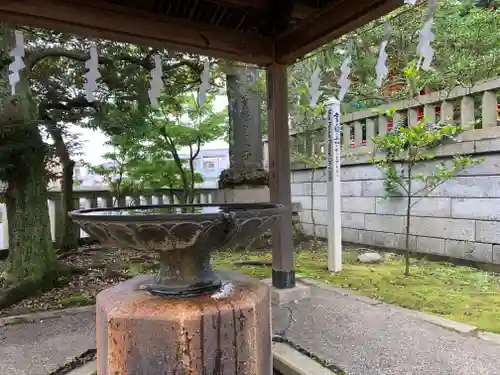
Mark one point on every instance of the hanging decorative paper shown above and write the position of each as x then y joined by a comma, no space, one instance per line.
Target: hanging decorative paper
314,87
92,75
411,2
345,69
205,84
18,64
381,67
156,81
426,36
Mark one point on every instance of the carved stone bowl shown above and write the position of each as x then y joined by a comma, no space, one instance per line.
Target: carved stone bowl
184,235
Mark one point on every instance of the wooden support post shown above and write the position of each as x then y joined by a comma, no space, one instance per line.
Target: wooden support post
279,176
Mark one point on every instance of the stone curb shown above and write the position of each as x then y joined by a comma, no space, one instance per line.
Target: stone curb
488,336
289,361
44,315
89,368
341,291
452,325
286,360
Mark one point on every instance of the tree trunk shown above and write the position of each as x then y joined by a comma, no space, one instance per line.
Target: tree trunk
32,263
69,240
31,255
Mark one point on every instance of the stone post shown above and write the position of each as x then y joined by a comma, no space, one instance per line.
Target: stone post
246,180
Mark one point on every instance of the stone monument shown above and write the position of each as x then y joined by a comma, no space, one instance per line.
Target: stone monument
246,180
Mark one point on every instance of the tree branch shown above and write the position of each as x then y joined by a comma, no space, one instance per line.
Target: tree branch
198,147
68,104
35,57
398,182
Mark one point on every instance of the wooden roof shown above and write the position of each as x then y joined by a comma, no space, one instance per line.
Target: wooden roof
251,31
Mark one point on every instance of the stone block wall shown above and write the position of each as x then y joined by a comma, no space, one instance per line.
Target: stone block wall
460,219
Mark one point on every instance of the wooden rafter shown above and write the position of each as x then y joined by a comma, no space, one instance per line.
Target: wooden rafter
300,11
333,21
124,24
251,31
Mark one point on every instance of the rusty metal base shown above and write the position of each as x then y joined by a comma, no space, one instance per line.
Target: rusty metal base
224,333
190,292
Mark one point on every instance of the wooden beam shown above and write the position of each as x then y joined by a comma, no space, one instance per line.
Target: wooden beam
339,18
279,175
127,25
300,11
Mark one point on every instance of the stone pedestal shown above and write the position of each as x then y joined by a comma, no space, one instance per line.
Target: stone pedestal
225,333
245,181
243,194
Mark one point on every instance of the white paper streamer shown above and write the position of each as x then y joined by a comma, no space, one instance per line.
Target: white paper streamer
205,84
92,75
18,64
426,36
314,86
344,81
381,67
156,82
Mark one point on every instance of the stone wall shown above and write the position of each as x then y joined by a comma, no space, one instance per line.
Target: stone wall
461,218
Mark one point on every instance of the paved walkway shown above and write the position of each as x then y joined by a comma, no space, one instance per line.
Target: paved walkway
361,337
367,339
40,348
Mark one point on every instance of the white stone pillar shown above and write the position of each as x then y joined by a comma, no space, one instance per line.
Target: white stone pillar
333,186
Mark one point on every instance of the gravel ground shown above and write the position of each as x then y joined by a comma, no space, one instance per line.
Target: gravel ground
101,268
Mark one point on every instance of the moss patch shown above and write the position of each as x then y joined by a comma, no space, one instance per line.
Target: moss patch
79,299
460,293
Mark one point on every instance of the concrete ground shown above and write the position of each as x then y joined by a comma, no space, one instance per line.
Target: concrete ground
41,347
364,338
360,336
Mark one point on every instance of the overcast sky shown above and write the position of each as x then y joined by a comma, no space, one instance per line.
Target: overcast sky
94,141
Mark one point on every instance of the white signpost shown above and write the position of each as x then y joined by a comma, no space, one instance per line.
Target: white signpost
333,185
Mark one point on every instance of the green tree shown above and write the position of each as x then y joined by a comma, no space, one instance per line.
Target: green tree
114,171
411,150
57,80
31,261
49,94
156,160
467,50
